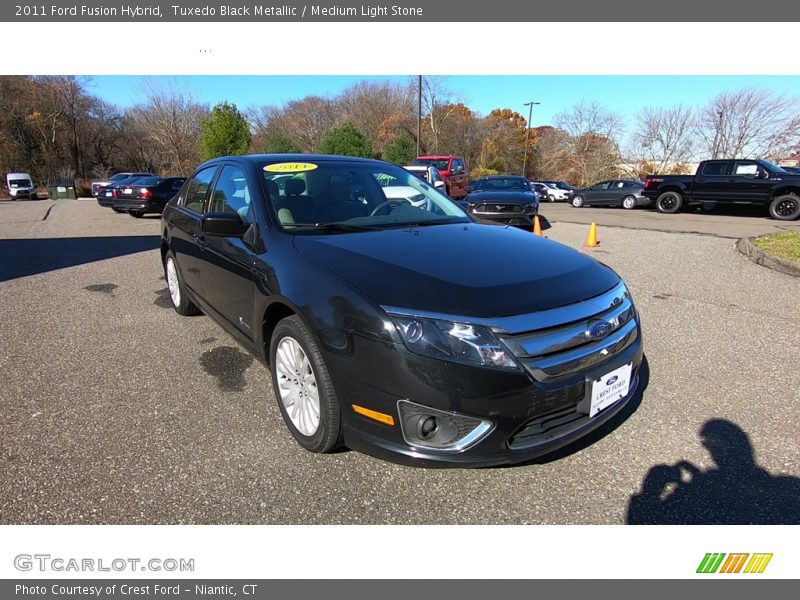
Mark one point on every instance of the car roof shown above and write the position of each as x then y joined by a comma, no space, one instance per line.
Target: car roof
437,157
485,177
257,158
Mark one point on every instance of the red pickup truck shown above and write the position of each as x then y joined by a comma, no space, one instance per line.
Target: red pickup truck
453,170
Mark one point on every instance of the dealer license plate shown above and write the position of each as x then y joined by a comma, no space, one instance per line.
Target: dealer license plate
609,388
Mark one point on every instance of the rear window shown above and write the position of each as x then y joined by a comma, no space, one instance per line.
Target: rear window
148,181
439,163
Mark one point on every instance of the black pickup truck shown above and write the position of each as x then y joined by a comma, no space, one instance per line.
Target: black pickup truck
729,182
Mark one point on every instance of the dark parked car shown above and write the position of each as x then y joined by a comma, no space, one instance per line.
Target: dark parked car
115,178
731,181
400,327
626,193
504,199
147,195
108,193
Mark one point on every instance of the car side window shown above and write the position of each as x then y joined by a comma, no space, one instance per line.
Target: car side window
744,168
232,194
715,168
197,190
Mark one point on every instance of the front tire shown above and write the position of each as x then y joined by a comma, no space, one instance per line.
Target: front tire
629,202
785,207
669,203
577,201
177,291
303,387
551,198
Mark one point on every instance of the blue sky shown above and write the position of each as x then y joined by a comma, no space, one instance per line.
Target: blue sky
622,93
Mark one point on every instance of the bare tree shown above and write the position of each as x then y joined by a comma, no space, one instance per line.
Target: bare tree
749,123
170,120
592,144
439,104
664,137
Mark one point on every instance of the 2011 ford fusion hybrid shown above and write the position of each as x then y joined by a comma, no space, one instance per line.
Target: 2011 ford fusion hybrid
391,322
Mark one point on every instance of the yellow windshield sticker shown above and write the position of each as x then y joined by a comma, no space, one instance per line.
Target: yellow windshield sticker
290,167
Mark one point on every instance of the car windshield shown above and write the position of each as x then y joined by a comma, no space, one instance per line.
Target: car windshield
773,167
349,196
20,183
502,184
564,186
439,163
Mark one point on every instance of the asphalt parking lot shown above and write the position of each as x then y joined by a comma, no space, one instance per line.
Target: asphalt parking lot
118,411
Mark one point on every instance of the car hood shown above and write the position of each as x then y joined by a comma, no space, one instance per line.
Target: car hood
481,197
461,269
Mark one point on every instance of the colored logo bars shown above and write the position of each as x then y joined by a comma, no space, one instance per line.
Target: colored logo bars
713,563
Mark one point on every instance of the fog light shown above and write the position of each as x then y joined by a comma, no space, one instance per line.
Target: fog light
435,429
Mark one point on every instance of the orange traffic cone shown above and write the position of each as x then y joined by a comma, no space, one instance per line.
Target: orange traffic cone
537,227
591,241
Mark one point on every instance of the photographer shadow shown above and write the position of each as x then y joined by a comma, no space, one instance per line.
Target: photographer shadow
736,492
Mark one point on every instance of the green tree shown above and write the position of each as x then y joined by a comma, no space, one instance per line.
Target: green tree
225,132
401,150
346,140
280,143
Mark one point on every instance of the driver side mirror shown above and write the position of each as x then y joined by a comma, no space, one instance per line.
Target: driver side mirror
224,224
761,174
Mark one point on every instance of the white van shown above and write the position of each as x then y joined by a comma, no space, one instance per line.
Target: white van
20,185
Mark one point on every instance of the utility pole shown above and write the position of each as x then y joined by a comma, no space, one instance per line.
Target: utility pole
419,111
717,136
527,134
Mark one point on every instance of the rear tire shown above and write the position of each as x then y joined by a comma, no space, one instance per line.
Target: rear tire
303,387
577,201
785,207
669,203
629,202
177,291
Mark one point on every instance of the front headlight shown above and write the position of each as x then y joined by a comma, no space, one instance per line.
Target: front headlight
458,342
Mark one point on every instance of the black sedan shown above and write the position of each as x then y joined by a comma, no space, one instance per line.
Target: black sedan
147,195
626,193
393,324
503,198
108,193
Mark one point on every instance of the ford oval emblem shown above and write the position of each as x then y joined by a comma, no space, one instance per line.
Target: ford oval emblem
612,379
598,329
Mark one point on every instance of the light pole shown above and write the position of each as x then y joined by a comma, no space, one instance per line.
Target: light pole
717,135
527,134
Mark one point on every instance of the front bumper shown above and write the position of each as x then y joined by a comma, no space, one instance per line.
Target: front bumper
551,414
18,194
517,219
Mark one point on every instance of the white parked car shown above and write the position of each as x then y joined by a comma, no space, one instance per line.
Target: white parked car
428,174
557,191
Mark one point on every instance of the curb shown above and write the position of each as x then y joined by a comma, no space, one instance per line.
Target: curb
758,256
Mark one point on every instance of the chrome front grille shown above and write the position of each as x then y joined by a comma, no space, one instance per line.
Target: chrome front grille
583,339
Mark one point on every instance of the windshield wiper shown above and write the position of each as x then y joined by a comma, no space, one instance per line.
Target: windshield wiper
447,221
332,226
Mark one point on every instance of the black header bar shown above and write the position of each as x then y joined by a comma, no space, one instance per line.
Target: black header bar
641,12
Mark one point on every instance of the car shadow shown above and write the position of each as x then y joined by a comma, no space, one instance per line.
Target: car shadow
736,491
31,256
